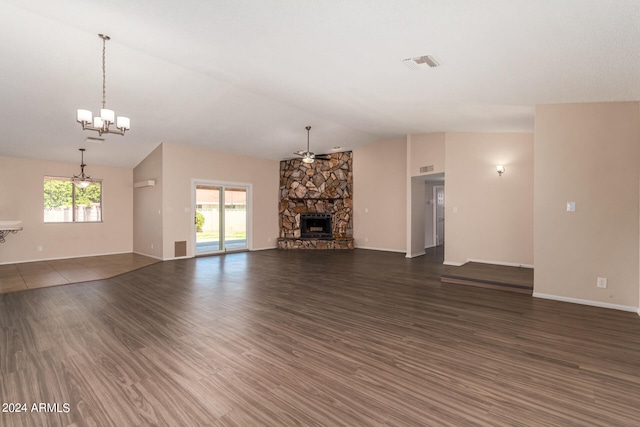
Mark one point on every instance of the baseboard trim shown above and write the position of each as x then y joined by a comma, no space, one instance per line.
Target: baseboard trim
452,263
415,255
379,249
149,256
588,302
66,257
178,257
506,264
264,249
498,286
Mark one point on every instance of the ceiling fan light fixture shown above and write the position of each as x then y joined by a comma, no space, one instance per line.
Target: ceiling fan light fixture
307,156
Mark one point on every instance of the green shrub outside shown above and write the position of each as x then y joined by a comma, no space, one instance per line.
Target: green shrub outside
199,222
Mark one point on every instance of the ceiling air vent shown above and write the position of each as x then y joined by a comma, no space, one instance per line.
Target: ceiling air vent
422,62
94,140
424,169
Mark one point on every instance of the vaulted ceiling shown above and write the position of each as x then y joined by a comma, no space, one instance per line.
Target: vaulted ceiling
247,76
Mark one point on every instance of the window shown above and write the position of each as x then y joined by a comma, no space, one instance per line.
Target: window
64,202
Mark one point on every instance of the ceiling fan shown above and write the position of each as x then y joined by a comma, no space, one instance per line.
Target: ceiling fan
308,156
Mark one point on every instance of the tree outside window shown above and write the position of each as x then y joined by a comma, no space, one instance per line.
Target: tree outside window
64,202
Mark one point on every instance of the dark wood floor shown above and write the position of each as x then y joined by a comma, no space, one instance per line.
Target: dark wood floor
491,276
354,338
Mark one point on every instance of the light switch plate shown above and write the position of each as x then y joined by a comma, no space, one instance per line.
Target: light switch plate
571,206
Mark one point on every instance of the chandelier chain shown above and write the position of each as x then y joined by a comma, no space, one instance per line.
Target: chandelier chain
104,73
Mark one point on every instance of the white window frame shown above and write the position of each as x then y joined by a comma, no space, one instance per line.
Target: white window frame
74,219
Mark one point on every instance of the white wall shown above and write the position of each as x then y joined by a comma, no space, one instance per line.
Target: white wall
182,164
426,149
23,199
147,207
588,153
493,219
379,195
489,217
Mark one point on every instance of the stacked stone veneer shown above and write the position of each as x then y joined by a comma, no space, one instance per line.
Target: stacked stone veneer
319,187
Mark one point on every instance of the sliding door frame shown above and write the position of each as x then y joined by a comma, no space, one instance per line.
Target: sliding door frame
249,217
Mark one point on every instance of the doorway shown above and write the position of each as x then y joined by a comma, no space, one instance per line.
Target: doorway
221,217
422,216
438,214
433,215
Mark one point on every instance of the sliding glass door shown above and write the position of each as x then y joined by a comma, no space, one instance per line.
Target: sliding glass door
235,218
220,218
207,219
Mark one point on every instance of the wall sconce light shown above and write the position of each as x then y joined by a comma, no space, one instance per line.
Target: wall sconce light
500,169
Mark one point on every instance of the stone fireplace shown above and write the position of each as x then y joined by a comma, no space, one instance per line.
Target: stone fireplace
316,203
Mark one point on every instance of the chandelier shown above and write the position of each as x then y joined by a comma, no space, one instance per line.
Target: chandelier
82,180
101,123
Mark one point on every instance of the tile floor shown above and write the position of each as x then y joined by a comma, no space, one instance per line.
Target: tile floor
39,274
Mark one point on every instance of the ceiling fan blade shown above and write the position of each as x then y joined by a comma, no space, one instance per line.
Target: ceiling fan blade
307,156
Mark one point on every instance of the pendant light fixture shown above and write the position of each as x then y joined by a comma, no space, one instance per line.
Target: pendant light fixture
82,180
106,118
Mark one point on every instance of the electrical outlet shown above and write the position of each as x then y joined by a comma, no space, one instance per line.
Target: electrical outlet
39,248
602,282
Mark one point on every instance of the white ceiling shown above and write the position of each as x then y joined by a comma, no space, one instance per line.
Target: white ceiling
247,76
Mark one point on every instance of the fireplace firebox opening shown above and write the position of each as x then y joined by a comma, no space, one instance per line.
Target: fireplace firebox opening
315,225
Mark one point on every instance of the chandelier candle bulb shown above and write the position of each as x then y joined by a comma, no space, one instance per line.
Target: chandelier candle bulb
123,123
84,116
107,116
